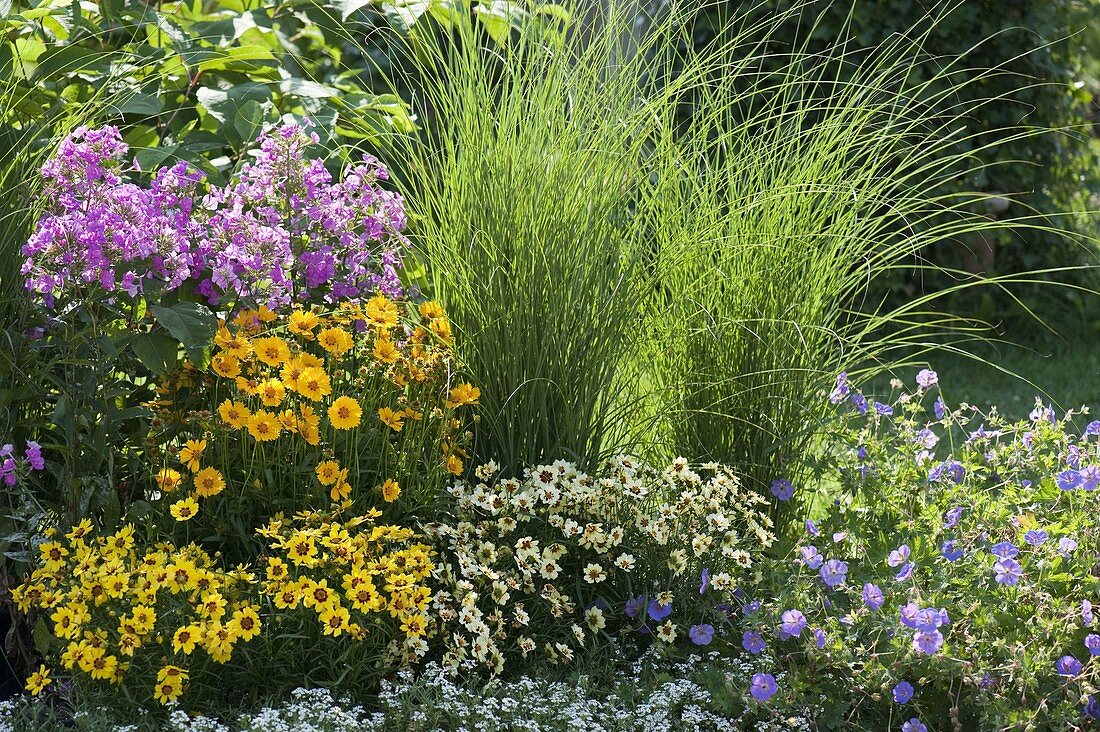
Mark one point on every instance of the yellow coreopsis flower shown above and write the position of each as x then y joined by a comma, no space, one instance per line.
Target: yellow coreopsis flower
245,623
345,413
462,395
327,472
264,427
335,619
185,509
272,350
235,414
415,625
391,418
225,365
381,312
234,346
272,392
185,638
191,454
302,323
385,351
169,690
454,465
430,310
168,479
38,681
209,482
336,341
313,383
391,489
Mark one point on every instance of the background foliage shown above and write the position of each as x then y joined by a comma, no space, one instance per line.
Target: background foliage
1044,49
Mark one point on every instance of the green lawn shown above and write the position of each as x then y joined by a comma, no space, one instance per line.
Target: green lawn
1010,377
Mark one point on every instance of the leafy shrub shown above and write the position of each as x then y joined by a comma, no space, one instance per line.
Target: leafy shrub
952,579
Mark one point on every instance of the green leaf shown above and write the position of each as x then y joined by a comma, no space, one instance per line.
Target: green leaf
41,636
156,351
190,323
249,120
137,103
222,104
347,7
404,15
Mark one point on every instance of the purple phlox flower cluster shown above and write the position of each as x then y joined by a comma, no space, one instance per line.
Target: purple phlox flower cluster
284,231
280,231
9,465
926,622
782,489
792,625
103,231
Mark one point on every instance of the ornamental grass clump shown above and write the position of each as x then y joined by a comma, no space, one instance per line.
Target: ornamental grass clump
282,231
561,561
668,252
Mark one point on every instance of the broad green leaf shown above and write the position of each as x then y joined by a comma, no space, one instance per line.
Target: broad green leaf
249,120
137,103
157,351
403,15
222,104
347,7
190,323
41,636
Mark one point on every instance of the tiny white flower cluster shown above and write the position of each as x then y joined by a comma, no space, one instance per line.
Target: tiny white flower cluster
544,562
